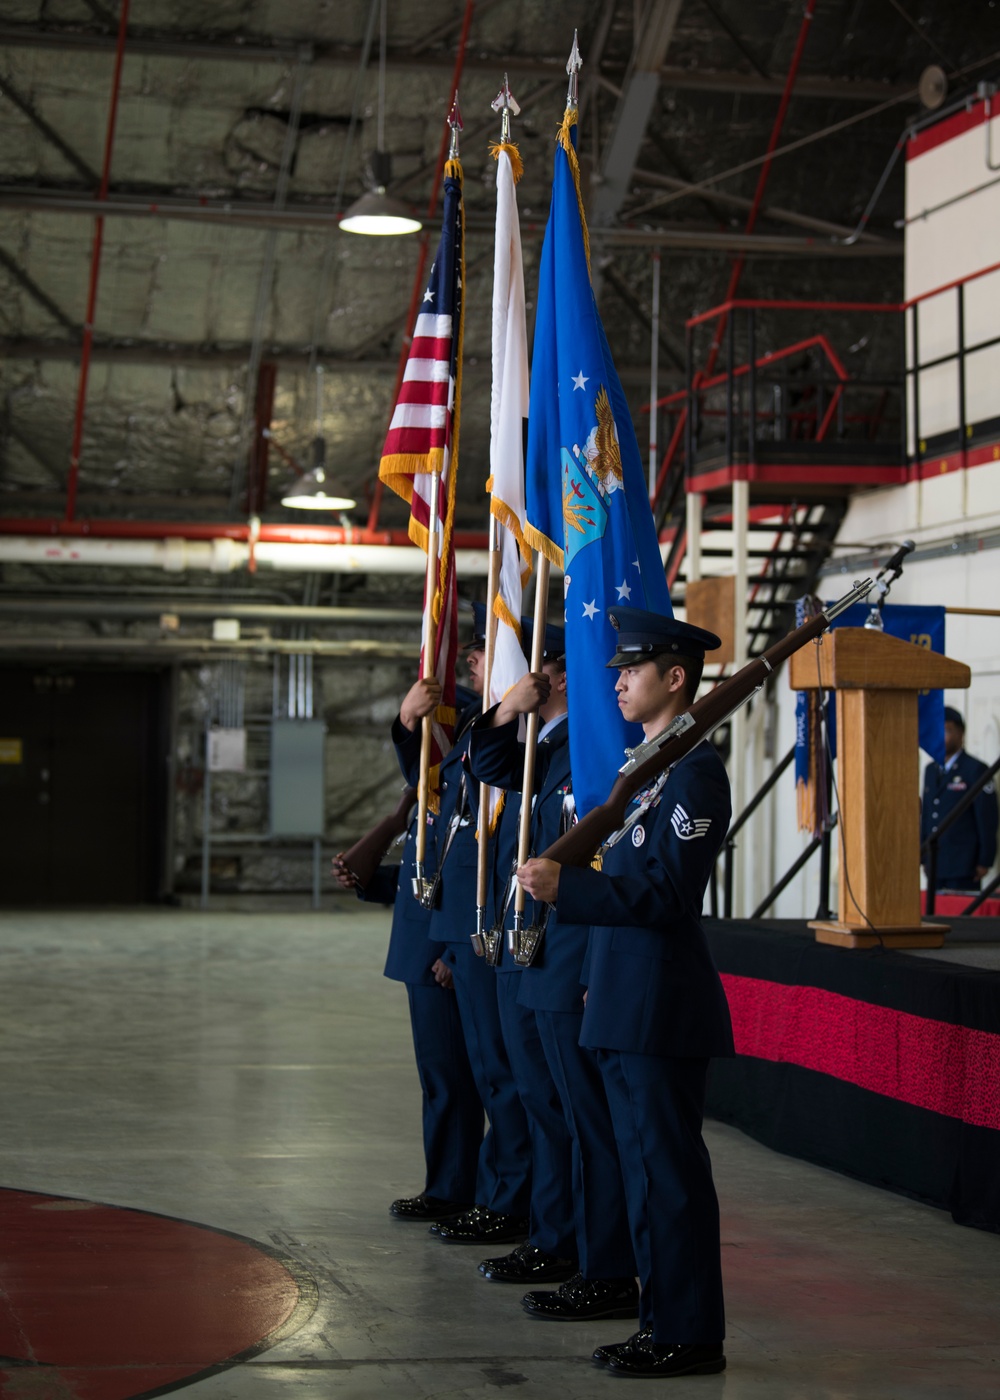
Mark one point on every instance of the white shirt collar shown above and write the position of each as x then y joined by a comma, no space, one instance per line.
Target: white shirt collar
549,725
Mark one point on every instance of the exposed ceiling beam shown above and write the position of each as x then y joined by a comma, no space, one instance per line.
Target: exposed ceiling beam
735,201
635,106
256,49
36,293
27,109
725,23
295,216
176,648
22,606
178,353
144,352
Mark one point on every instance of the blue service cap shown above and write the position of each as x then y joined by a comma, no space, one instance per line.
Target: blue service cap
478,638
555,639
954,716
642,635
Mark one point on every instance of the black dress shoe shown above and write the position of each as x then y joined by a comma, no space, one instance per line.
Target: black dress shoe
580,1299
656,1361
602,1355
527,1264
482,1226
424,1207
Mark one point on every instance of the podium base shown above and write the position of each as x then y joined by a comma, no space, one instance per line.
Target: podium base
860,935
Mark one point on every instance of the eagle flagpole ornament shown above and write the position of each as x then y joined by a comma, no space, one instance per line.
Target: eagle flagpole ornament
420,463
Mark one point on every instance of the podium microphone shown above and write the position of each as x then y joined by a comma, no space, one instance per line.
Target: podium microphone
884,580
894,566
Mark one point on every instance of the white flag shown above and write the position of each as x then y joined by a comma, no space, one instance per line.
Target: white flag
508,416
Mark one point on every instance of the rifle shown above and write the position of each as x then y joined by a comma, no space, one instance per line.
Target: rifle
658,755
365,856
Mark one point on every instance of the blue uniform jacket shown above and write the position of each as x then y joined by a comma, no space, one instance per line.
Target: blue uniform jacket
410,955
653,988
553,981
972,840
453,920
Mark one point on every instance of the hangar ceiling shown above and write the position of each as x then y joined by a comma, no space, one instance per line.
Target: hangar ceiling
207,97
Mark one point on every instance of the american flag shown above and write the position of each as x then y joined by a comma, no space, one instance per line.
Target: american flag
422,444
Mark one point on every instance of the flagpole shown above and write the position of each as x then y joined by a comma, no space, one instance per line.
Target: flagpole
480,939
427,670
487,943
514,935
421,887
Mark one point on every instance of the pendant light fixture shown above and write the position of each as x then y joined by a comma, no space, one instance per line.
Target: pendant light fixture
377,212
315,489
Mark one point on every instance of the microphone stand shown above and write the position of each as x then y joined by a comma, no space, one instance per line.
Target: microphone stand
884,580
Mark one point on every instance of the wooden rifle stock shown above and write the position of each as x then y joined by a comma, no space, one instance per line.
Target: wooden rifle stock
365,856
579,845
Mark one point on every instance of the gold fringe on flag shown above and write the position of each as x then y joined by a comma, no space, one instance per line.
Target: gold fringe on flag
537,541
516,163
565,140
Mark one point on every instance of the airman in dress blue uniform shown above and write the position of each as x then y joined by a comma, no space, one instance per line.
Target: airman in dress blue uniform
550,1251
578,1203
452,1113
503,1183
969,847
656,1010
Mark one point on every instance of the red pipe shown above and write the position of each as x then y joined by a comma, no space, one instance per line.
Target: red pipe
769,304
208,530
418,280
95,269
765,171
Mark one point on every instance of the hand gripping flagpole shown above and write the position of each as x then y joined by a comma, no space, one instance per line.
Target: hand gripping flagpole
486,943
522,943
421,886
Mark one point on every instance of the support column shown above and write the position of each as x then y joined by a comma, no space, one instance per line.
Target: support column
738,743
692,557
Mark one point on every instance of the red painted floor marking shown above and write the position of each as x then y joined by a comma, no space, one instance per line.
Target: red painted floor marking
101,1303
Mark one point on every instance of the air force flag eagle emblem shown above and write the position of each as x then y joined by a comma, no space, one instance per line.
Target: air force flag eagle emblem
689,828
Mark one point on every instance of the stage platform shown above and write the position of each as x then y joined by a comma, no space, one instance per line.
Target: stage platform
881,1065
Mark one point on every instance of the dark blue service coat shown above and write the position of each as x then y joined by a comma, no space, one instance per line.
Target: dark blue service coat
653,985
972,840
656,1011
575,1161
452,1114
552,982
504,1177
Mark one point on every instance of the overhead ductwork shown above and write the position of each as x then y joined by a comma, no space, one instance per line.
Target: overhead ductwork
225,556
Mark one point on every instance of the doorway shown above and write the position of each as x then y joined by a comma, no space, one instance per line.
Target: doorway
82,785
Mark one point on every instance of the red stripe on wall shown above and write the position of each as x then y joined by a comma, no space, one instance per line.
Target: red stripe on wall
931,1064
946,130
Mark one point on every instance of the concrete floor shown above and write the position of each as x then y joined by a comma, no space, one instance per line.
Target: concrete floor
253,1072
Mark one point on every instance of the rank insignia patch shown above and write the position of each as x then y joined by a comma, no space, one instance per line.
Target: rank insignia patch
689,828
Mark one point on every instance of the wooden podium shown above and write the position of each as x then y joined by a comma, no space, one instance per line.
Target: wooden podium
877,679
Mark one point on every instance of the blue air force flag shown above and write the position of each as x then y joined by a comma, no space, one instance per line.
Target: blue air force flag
587,507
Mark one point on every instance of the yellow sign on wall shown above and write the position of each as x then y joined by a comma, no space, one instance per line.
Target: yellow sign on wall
11,751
